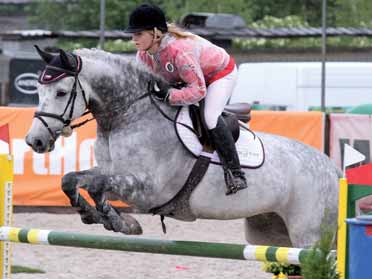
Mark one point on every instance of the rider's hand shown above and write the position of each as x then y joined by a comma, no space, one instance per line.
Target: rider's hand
179,85
160,91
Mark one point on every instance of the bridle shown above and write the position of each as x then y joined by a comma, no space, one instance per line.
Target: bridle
71,101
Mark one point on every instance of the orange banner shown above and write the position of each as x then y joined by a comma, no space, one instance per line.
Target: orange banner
37,177
307,127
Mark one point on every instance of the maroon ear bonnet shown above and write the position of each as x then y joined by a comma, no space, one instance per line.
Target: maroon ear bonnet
57,69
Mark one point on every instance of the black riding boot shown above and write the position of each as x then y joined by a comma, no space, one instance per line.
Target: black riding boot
223,141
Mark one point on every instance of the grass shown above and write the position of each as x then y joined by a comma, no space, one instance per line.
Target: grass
25,269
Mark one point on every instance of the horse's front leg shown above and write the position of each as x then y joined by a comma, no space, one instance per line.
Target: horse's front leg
115,221
70,186
97,184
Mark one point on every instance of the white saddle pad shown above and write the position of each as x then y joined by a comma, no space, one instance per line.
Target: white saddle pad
249,146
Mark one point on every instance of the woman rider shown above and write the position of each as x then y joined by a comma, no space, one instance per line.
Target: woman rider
206,70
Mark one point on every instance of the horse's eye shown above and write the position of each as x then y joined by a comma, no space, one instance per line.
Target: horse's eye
61,93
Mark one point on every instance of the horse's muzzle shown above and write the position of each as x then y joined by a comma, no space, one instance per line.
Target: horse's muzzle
39,145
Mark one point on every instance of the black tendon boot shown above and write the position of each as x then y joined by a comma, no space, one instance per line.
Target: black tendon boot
223,142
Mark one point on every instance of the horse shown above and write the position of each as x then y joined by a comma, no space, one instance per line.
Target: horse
140,160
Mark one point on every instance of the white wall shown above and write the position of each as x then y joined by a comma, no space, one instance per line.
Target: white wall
297,85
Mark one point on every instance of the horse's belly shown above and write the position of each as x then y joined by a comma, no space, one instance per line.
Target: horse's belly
209,201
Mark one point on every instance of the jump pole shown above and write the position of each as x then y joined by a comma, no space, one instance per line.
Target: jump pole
6,210
342,228
155,246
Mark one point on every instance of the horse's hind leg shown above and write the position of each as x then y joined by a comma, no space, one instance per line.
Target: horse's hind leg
267,229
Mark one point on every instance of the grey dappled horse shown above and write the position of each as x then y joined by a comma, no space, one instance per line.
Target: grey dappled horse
141,161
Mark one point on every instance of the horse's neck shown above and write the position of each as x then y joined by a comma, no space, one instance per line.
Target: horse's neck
116,95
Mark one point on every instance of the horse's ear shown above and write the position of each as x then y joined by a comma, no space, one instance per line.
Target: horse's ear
65,60
47,57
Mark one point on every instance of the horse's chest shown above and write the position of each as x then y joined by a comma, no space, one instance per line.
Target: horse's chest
127,151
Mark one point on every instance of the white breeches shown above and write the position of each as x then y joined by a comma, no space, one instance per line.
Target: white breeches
218,94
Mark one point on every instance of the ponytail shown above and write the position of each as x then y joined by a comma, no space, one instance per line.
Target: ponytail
178,32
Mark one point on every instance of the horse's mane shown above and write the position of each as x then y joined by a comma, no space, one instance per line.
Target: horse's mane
122,82
123,63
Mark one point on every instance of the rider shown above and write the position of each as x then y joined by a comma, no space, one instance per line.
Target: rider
206,71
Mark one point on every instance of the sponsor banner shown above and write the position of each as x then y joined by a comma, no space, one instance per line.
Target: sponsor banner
352,129
23,75
307,127
37,177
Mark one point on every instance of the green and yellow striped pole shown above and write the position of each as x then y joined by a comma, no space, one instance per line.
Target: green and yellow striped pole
6,210
155,246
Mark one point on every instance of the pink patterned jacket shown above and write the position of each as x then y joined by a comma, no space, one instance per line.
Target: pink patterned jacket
195,61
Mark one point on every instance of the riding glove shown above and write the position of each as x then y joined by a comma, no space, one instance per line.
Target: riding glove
160,91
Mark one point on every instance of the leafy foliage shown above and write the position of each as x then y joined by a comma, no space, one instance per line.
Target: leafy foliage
110,45
307,10
80,15
12,10
320,263
295,21
84,15
277,268
354,13
25,269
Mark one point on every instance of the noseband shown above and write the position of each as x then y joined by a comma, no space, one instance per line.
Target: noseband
71,101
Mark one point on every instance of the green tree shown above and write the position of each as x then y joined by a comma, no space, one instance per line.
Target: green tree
84,14
80,15
175,9
355,13
309,10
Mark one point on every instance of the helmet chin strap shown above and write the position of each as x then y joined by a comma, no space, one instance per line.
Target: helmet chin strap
155,40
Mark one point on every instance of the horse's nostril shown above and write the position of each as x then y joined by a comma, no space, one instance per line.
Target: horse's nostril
38,143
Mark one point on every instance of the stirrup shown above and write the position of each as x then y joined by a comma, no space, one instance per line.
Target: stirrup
231,183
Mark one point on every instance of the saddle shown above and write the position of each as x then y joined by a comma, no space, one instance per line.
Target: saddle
231,114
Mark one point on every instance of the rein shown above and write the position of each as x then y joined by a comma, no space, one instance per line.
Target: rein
67,128
158,108
164,114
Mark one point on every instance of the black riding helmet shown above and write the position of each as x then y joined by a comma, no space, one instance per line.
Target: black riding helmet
146,17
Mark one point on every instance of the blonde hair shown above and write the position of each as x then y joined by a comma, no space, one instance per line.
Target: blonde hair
174,30
178,32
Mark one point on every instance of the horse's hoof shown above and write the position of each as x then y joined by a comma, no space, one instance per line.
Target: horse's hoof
87,219
136,230
133,225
